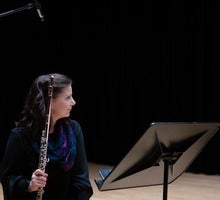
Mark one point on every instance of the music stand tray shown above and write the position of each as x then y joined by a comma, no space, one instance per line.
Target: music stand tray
160,156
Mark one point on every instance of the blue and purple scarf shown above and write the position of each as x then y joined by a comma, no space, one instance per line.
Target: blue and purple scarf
61,146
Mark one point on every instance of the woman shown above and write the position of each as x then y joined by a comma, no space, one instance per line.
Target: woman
25,173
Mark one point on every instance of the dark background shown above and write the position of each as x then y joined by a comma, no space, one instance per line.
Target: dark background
132,63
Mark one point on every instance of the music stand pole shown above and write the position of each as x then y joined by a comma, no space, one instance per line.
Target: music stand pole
169,159
165,179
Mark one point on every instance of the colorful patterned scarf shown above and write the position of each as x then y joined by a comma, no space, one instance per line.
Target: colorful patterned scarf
61,146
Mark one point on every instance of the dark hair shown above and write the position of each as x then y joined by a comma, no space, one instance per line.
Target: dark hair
34,112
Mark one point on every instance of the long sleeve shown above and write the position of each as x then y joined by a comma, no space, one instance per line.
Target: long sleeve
12,176
80,172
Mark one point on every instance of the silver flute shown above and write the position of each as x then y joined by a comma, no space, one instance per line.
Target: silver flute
44,138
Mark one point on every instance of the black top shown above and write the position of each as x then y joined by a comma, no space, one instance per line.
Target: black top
20,160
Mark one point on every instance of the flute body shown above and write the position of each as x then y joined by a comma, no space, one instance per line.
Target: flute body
44,139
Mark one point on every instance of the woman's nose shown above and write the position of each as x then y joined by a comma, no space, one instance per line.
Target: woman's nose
73,102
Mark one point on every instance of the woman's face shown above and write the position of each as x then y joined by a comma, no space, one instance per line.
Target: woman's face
61,106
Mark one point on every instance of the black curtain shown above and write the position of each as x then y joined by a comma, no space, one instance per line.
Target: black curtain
132,63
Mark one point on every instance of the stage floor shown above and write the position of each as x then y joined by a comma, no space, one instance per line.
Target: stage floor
188,186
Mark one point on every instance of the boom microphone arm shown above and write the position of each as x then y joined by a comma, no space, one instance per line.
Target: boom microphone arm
10,12
29,6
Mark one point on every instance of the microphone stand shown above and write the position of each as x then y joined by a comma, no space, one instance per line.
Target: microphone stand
27,7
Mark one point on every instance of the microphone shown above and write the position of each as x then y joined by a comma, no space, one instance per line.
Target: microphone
39,10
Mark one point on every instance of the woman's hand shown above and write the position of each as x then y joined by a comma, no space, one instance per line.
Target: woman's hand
38,180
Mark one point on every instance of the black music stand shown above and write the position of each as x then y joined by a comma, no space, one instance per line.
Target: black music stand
160,156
